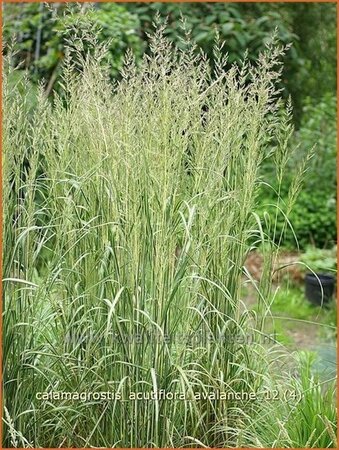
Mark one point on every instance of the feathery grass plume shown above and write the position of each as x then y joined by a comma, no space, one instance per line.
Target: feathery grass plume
129,213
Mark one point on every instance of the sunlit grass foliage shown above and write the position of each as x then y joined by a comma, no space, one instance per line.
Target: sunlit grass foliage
129,211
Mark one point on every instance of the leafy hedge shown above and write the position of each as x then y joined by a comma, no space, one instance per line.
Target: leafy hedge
314,215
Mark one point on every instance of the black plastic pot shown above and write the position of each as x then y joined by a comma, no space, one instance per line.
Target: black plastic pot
319,288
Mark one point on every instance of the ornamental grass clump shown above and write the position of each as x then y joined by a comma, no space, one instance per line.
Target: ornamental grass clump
129,210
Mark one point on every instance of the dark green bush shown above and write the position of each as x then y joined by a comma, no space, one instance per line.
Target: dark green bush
314,214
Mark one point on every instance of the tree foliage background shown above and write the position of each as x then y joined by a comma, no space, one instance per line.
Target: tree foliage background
40,31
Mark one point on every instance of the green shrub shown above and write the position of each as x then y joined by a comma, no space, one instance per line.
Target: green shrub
314,215
320,260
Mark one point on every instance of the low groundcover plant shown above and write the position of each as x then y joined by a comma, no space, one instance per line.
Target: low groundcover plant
129,210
